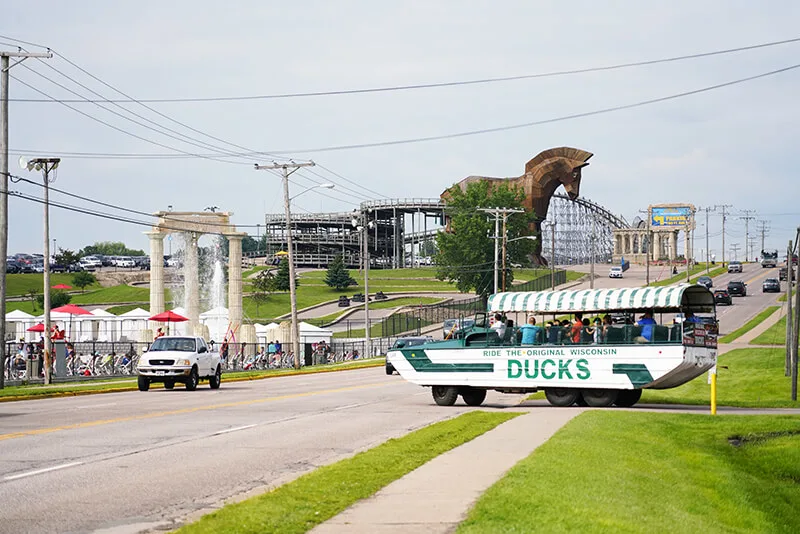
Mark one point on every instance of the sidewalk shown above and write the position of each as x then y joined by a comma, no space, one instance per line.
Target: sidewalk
744,341
436,497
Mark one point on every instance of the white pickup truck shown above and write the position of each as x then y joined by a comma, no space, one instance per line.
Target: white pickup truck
184,359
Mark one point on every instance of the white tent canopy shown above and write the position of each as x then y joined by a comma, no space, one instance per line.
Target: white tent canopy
136,313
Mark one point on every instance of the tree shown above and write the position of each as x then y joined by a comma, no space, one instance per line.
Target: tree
263,285
109,248
83,279
466,252
66,257
337,276
57,299
282,278
31,294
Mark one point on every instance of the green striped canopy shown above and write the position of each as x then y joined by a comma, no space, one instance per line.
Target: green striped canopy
686,296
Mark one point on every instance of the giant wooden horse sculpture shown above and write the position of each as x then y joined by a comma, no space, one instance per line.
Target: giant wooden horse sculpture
543,175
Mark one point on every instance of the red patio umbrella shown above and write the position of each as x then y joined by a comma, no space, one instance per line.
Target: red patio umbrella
37,328
71,309
169,316
61,286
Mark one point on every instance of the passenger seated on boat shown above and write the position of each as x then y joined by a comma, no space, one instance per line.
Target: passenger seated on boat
553,329
530,332
509,334
499,325
587,332
647,323
566,332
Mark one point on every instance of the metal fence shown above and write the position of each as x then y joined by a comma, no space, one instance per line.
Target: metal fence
543,282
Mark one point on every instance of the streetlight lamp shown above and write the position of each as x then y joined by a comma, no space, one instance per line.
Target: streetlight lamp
362,225
46,166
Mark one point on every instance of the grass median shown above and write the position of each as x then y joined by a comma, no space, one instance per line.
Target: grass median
774,335
749,325
118,384
642,472
318,496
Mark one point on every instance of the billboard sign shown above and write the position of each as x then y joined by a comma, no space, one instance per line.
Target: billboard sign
676,216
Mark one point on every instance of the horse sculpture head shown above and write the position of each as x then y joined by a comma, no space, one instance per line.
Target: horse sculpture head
559,166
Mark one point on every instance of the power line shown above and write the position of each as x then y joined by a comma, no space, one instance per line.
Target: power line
540,122
418,86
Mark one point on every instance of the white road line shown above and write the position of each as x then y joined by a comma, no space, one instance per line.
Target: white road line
348,406
233,429
41,471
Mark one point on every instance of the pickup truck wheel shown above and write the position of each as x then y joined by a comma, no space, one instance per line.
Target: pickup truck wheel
216,378
194,379
561,396
473,396
628,397
143,383
169,384
444,395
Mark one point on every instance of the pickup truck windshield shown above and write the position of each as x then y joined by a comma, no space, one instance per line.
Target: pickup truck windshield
180,344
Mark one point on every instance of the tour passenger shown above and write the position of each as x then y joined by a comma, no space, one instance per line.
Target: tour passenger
577,327
691,318
552,332
499,326
530,331
647,323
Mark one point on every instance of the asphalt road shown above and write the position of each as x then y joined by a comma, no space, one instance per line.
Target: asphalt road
128,461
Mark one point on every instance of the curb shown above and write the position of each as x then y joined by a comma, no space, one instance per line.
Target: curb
57,394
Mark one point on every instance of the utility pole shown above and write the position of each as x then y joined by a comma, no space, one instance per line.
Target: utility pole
795,332
497,212
763,229
747,217
649,241
287,169
707,209
787,367
723,208
594,237
4,68
735,249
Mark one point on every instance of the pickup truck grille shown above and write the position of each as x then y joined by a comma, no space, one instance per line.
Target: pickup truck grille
162,362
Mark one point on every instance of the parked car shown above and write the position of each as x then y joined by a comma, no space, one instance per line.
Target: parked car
737,288
771,285
705,281
615,272
734,267
402,342
184,359
721,296
12,267
344,301
126,263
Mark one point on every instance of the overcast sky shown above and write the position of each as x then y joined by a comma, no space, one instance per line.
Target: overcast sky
735,145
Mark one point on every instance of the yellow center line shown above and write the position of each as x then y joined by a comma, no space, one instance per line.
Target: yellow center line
89,424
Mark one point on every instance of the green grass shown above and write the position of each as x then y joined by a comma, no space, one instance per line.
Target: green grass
749,325
754,378
24,305
126,383
111,295
611,471
713,273
774,335
17,285
317,496
697,270
125,308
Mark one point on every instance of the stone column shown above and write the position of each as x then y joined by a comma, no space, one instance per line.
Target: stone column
235,280
156,272
673,245
656,248
191,283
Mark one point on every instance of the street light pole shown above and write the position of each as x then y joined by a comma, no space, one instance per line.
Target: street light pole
285,172
47,166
